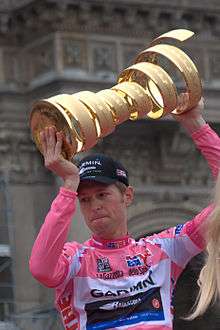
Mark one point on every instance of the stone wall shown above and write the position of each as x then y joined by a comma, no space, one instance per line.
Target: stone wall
50,47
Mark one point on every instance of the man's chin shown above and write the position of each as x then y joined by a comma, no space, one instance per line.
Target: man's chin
99,224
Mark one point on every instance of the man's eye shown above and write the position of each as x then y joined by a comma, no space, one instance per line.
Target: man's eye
83,200
103,194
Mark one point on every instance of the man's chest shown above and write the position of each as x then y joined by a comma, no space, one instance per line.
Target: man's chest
120,274
124,287
122,263
126,294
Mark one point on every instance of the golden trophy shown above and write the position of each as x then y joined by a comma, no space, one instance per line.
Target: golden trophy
144,90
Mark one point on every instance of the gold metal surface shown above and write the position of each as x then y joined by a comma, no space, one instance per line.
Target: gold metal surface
139,101
100,112
145,89
47,114
178,34
117,104
184,64
81,120
158,85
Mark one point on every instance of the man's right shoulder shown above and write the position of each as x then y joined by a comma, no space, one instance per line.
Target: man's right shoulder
70,248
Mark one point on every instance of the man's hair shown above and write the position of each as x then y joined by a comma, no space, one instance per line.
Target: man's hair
121,186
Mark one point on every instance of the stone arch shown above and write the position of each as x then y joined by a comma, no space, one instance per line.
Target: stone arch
159,218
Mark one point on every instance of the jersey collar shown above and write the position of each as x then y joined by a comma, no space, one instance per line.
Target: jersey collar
110,244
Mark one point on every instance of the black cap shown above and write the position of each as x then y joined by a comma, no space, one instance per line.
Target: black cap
102,168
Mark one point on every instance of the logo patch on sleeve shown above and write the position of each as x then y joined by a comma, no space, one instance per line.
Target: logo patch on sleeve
178,229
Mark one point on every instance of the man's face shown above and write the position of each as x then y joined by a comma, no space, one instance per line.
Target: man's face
104,208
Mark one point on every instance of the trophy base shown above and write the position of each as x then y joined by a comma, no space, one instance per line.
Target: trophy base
45,115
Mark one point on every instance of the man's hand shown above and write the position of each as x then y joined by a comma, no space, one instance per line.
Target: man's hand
192,119
51,141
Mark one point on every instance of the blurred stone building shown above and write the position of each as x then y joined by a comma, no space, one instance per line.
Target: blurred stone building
49,47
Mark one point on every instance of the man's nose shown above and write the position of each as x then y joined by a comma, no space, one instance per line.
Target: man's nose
95,204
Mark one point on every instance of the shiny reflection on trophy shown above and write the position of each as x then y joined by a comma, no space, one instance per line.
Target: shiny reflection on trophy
144,90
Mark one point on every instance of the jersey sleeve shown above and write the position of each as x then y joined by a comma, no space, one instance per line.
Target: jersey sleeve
184,241
208,142
49,261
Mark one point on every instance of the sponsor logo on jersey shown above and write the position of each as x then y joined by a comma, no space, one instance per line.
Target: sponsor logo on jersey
70,321
139,308
120,304
139,286
155,303
138,270
110,276
134,261
178,229
141,259
103,265
116,244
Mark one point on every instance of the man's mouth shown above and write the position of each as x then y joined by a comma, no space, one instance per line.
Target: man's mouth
98,217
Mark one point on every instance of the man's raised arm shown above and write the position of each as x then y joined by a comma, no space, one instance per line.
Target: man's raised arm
206,140
47,263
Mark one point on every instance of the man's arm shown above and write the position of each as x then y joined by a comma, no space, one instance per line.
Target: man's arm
47,263
191,120
184,241
205,139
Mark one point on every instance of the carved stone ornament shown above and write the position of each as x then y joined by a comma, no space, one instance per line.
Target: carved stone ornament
20,162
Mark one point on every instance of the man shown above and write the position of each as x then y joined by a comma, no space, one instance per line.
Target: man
111,281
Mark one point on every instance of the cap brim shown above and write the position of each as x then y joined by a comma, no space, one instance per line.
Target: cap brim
100,179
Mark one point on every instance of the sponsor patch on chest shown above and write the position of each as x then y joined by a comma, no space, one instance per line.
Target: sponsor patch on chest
103,265
141,259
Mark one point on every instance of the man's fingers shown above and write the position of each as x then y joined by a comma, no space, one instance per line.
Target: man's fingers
43,142
52,137
58,147
50,140
183,100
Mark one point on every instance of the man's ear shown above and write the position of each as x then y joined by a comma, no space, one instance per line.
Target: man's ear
129,195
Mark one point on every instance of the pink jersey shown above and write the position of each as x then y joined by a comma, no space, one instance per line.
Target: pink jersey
120,284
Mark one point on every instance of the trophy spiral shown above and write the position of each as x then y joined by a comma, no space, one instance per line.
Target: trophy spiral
145,89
